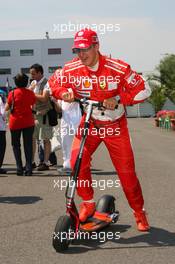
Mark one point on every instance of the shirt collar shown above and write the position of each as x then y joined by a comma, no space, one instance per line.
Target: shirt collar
39,82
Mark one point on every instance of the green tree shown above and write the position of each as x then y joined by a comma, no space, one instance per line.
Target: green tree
166,76
157,98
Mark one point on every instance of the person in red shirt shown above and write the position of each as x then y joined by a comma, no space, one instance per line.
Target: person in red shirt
21,121
116,85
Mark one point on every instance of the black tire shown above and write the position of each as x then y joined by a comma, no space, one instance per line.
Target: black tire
106,204
63,227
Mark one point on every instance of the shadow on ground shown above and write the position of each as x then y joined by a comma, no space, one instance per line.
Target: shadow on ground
20,199
157,237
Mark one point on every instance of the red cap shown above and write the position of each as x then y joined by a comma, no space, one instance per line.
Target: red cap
85,38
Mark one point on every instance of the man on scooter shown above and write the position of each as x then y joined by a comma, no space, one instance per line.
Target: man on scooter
113,82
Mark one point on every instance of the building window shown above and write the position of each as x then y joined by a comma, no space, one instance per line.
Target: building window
54,51
4,53
25,70
26,52
53,69
5,71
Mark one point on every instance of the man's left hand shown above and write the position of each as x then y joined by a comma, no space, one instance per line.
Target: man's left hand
110,103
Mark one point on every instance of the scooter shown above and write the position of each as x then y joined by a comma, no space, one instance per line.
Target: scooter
68,226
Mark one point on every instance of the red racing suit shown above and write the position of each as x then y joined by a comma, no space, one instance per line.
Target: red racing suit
112,78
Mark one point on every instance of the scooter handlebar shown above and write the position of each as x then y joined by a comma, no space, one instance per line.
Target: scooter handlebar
86,101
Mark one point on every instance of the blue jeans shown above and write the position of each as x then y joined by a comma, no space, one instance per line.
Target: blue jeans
2,146
27,142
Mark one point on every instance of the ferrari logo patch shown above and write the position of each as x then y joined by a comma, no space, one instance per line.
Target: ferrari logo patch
102,85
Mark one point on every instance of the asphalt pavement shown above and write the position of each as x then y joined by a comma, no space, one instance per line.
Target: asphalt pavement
30,207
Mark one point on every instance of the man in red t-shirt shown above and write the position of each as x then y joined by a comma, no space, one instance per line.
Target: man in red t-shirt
20,102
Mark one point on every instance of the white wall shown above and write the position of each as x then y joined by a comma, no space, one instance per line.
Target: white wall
40,47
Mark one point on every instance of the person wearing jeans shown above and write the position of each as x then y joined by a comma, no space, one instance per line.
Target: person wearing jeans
27,134
2,130
20,102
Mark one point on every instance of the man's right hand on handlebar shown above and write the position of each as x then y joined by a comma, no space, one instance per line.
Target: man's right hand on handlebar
68,97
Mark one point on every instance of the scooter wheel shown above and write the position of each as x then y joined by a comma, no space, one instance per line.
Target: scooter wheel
106,204
63,233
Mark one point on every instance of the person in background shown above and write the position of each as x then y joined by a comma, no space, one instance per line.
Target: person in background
43,131
71,116
21,121
2,130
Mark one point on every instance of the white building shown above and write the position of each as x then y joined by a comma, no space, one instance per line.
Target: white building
19,55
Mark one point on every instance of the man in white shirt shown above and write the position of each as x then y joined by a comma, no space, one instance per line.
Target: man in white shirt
43,131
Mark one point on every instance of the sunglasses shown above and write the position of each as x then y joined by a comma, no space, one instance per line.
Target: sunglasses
78,50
